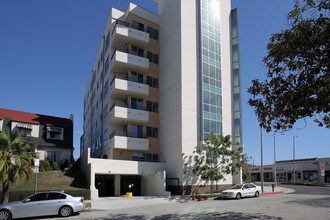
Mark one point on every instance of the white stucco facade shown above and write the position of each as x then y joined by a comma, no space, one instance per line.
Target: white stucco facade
176,125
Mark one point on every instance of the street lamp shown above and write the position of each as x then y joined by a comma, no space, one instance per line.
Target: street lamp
294,157
275,177
262,162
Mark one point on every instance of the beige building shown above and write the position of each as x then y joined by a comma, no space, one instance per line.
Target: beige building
300,170
160,84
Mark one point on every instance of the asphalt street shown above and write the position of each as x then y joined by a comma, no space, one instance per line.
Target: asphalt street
305,204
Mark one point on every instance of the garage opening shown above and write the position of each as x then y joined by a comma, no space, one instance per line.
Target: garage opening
105,185
130,183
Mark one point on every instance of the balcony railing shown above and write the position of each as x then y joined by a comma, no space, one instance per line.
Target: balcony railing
127,24
128,78
127,134
128,105
132,52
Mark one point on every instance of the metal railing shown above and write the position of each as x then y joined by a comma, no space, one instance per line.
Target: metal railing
128,134
127,24
128,105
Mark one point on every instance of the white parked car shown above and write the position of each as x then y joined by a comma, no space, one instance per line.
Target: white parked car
242,190
41,204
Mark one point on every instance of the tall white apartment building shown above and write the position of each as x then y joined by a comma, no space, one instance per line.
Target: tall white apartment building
161,83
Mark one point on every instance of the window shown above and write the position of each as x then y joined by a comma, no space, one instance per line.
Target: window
153,82
136,77
137,51
105,112
55,133
54,196
53,156
106,89
152,132
105,137
107,41
153,58
25,132
38,197
136,131
152,106
153,33
137,25
137,103
137,156
106,65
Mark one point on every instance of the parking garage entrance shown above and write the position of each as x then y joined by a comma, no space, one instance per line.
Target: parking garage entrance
130,183
105,185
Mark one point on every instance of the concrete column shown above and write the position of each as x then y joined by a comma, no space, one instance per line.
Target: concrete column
286,176
117,185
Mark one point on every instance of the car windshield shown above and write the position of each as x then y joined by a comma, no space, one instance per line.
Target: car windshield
237,186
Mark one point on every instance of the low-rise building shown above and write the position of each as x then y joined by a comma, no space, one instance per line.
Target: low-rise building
51,136
300,170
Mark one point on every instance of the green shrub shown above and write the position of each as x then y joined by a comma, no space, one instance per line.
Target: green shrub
44,165
54,165
64,164
20,195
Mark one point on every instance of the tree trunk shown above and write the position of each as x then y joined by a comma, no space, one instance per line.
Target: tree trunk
5,191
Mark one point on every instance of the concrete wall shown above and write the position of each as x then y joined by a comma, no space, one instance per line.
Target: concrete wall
154,185
153,174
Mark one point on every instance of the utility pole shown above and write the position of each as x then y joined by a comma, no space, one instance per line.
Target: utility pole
294,158
262,162
275,174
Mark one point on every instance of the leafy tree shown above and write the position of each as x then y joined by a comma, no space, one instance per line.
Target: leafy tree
215,159
298,79
15,160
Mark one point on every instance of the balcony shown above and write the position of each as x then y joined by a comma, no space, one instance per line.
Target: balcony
128,141
126,32
123,113
121,87
121,60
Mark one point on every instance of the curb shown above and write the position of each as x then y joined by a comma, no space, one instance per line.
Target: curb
271,193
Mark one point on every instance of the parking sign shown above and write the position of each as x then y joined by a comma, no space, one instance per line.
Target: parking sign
322,168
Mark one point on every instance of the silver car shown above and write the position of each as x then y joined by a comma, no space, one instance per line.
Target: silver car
42,204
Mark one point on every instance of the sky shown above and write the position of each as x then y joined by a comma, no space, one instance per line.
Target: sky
47,50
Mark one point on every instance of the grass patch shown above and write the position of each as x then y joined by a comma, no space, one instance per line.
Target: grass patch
72,182
49,180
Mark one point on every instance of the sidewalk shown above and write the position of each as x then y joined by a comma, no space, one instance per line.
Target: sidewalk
268,190
112,203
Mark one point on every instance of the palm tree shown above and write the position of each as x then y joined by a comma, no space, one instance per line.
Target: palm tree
15,160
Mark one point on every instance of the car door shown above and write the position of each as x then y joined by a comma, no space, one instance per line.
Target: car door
252,189
53,203
245,190
31,206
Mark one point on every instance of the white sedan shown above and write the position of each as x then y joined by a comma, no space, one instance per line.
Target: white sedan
242,190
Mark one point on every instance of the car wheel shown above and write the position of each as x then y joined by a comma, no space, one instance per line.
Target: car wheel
5,214
238,196
65,211
256,194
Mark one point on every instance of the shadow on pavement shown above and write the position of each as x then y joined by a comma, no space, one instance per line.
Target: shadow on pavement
206,216
320,202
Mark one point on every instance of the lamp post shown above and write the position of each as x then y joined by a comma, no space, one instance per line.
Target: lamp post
294,158
275,174
262,162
